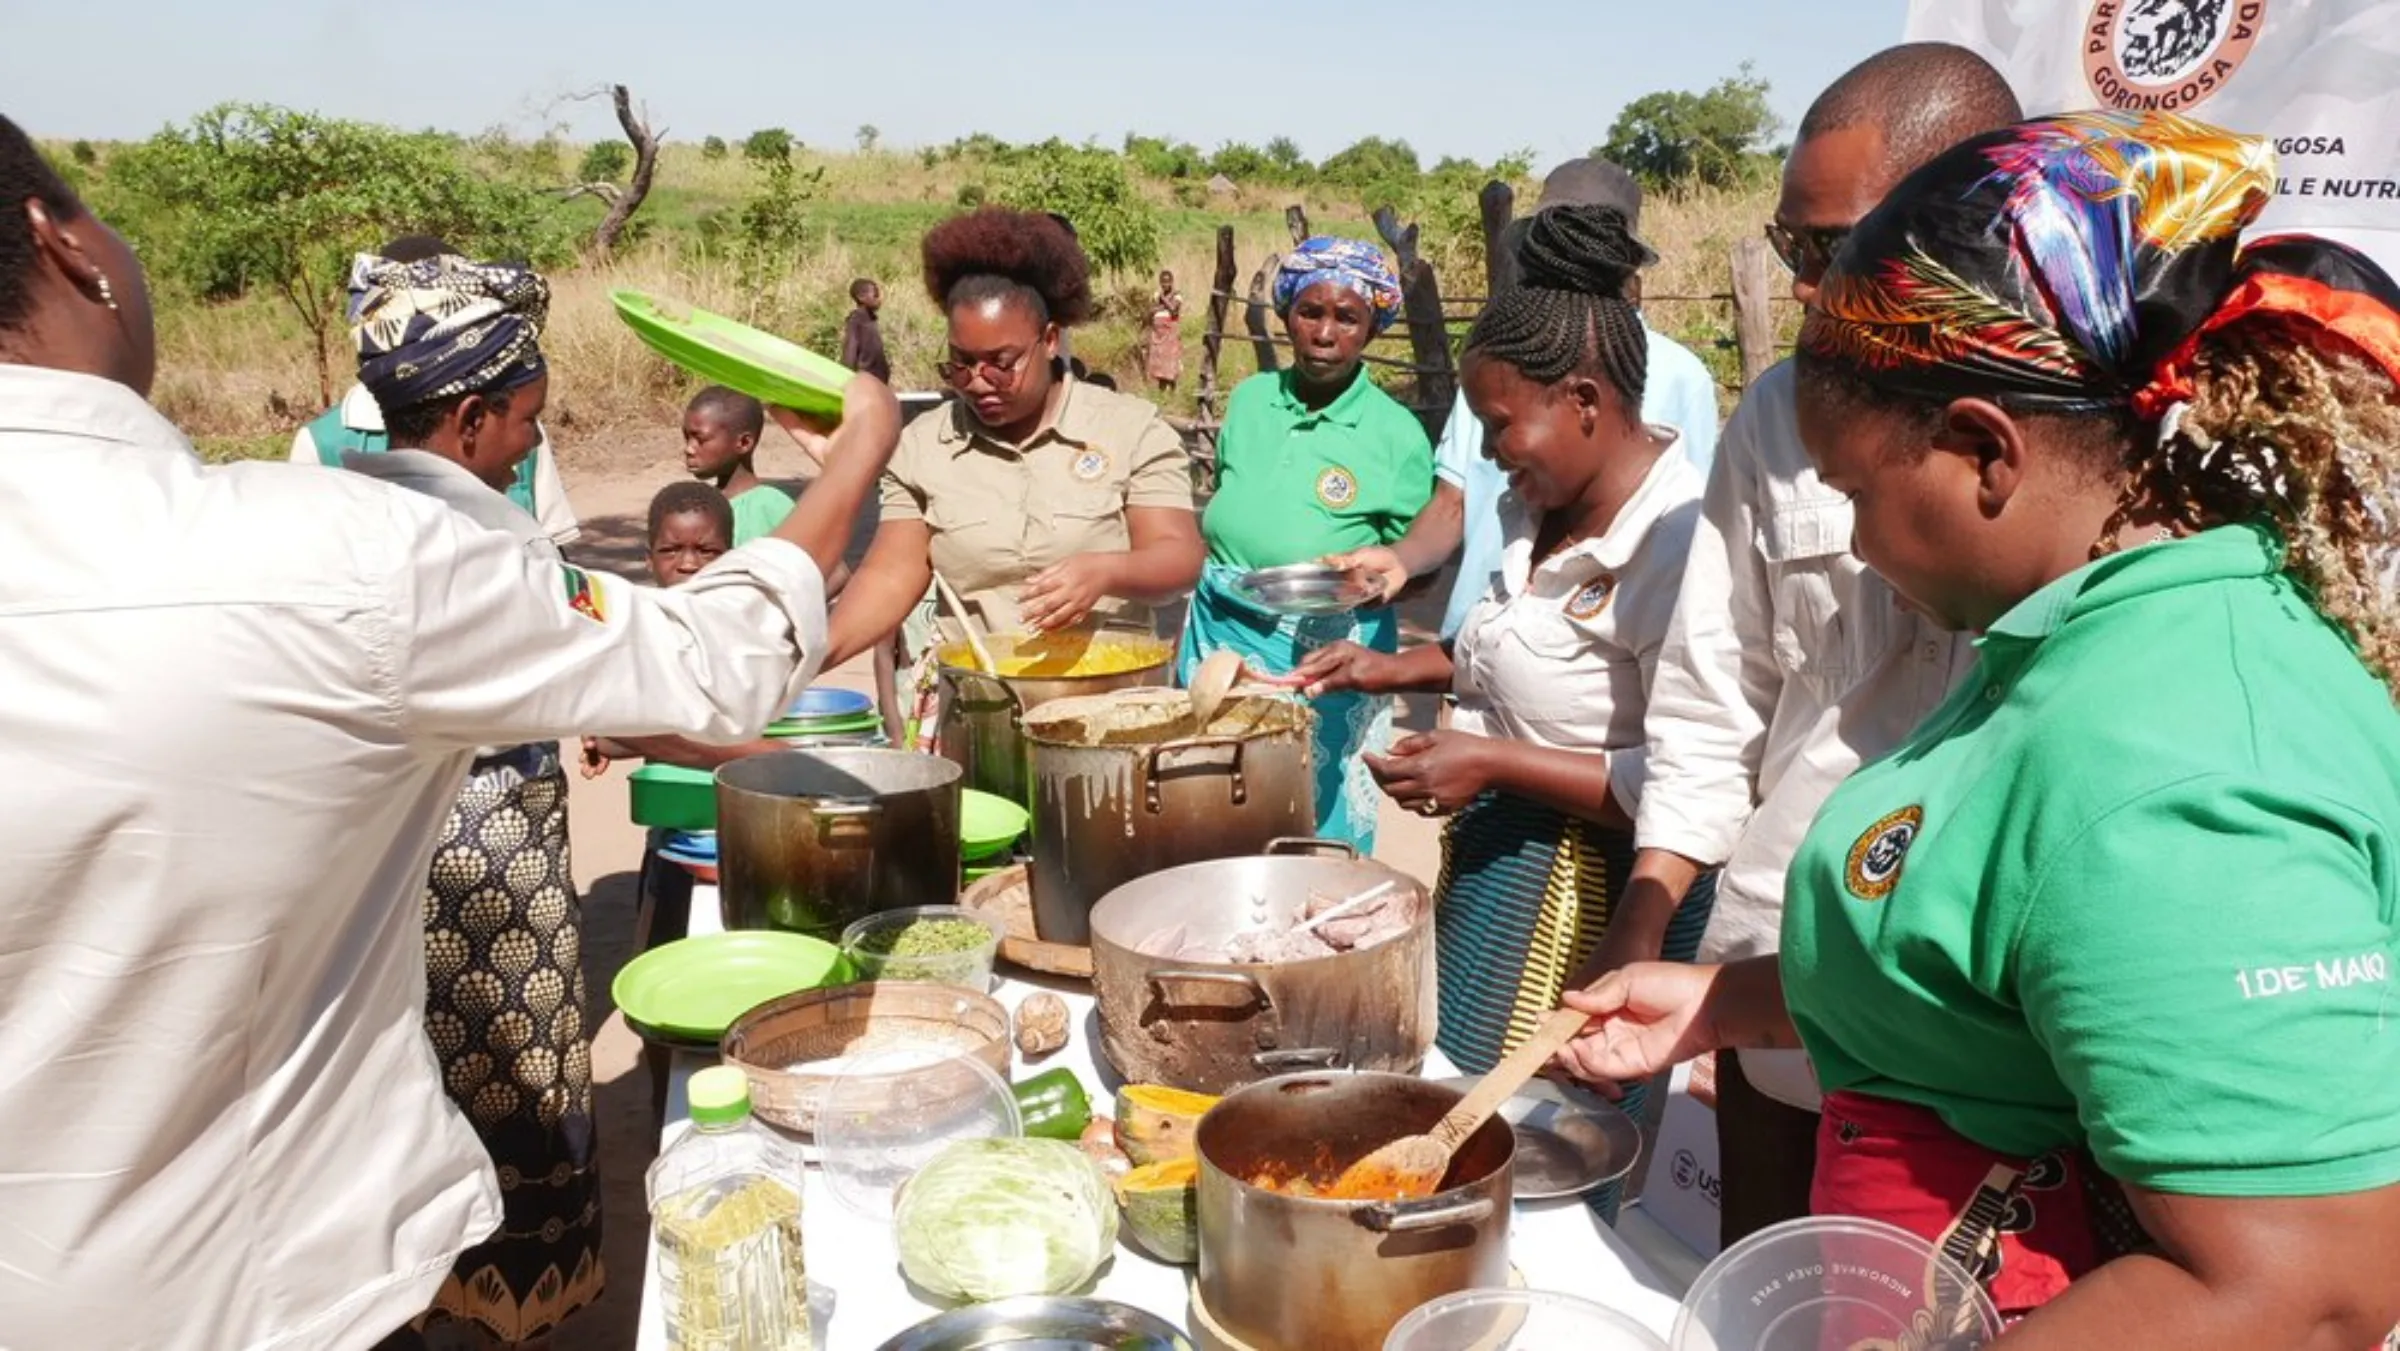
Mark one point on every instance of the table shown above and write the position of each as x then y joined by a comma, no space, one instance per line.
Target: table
1557,1245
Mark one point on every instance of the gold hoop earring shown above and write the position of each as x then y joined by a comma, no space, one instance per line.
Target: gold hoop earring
108,295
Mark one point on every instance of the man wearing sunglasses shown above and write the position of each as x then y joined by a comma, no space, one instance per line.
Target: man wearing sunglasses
1788,663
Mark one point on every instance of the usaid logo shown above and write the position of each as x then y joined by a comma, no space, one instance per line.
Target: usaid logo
1689,1176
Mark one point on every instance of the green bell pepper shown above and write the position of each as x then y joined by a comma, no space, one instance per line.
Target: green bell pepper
1053,1105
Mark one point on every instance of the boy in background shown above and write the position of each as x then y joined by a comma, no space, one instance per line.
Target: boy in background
862,332
720,442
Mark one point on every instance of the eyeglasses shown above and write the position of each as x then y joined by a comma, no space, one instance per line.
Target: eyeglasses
1809,250
999,373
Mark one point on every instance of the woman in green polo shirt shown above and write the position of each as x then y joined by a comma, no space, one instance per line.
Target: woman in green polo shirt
2096,968
1314,461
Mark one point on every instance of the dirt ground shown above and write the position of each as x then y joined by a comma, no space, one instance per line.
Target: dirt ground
611,481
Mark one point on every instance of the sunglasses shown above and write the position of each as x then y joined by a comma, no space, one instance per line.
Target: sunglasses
999,373
1809,250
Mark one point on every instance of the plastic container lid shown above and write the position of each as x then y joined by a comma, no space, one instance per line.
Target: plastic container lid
718,1096
894,1108
827,701
1833,1282
1517,1320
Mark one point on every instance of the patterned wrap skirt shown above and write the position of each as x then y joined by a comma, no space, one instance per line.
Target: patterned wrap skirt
1526,893
504,1007
1348,723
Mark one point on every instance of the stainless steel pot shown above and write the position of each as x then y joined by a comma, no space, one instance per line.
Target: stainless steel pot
1112,803
1284,1272
1213,1026
808,841
982,715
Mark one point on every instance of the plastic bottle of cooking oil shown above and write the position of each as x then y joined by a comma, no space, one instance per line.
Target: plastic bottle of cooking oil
725,1215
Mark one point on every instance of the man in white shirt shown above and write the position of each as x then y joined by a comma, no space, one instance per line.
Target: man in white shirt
1788,663
239,702
354,427
1463,519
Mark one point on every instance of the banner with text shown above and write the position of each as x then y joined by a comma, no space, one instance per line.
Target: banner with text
2319,78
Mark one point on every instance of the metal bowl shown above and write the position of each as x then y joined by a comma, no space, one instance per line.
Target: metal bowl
1042,1323
1306,589
1569,1139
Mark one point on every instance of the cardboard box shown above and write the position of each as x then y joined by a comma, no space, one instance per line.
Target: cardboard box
1682,1190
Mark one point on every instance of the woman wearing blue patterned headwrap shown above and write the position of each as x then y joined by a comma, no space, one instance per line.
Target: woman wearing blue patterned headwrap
451,350
443,342
1313,461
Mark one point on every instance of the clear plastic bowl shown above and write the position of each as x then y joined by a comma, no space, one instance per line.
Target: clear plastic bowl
868,940
1518,1320
894,1108
1833,1282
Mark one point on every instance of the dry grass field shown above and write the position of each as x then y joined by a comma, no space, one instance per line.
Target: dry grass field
240,375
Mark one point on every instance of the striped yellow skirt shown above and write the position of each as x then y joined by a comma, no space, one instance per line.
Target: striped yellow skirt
1526,894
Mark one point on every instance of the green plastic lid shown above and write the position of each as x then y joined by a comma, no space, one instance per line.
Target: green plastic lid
719,1096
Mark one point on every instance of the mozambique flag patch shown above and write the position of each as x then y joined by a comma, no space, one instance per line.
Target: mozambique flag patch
582,596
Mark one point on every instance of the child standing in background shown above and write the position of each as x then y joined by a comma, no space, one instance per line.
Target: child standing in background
862,332
720,440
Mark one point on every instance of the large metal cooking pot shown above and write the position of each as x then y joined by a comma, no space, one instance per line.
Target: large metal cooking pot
981,713
1123,788
808,841
1213,1026
1286,1272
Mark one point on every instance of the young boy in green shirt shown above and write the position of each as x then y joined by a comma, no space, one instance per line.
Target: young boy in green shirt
720,440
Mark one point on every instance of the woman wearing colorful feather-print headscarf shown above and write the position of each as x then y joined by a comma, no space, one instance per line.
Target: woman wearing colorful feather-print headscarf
1313,461
2097,967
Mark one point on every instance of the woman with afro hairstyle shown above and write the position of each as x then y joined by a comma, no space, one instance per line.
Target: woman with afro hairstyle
1544,763
1047,502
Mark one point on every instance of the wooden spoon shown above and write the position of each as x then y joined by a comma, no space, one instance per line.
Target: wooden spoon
1211,683
966,621
1413,1165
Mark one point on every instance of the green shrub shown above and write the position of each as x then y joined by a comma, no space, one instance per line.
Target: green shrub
605,162
713,148
1118,227
767,145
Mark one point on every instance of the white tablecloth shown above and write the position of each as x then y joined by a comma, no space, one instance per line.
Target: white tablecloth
1557,1245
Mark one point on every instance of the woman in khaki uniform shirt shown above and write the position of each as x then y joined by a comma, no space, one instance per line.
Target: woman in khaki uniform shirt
1046,501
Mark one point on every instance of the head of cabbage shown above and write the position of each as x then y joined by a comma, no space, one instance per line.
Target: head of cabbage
987,1219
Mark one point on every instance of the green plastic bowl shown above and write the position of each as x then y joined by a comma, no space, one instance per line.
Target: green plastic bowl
988,823
670,797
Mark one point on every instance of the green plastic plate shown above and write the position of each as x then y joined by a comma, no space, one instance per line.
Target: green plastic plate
988,823
733,354
673,798
789,727
693,988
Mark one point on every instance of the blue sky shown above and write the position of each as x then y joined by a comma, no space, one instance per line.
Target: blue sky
1545,74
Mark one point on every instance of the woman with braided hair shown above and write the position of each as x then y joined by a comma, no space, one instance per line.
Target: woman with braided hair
2096,967
1544,764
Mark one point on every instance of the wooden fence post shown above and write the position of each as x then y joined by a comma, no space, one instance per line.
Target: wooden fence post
1754,285
1499,203
1220,297
1428,327
1261,303
1295,219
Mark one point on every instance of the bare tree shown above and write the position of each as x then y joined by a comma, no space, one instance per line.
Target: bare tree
622,204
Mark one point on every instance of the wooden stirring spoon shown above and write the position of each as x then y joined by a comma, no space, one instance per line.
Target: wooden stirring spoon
1413,1165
